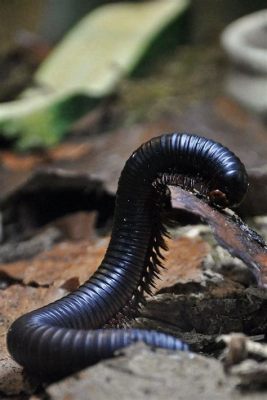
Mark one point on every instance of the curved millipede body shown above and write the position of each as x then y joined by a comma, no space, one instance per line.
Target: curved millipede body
66,335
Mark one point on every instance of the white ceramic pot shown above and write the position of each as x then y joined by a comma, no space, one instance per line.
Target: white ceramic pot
245,42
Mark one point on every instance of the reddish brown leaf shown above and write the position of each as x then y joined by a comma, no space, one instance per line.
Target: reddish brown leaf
184,261
15,301
66,265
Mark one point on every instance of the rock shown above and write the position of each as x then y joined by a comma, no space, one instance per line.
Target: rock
141,373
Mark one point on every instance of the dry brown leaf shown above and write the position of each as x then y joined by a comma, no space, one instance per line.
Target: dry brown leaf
15,301
70,264
56,267
184,261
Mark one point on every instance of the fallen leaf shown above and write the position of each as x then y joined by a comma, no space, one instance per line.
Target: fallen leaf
65,264
15,301
184,262
125,35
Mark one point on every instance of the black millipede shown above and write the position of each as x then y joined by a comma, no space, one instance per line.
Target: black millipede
74,332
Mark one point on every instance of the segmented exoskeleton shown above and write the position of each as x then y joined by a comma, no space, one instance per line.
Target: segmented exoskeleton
65,336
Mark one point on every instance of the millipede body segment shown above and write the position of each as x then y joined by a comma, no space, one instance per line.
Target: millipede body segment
68,334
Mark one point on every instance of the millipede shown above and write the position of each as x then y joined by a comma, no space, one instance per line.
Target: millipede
78,330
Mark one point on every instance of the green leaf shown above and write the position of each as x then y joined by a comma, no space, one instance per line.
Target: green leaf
106,45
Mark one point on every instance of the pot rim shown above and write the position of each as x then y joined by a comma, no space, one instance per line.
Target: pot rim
234,40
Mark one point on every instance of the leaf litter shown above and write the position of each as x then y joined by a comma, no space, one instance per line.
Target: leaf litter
196,302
